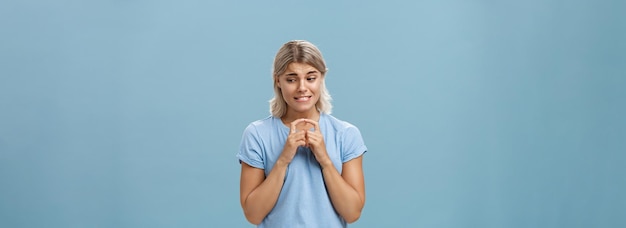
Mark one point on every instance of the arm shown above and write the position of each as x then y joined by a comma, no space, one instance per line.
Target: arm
346,190
258,193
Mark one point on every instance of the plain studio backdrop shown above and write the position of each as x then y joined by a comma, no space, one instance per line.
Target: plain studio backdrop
476,113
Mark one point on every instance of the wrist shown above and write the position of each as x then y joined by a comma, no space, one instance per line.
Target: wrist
281,162
326,163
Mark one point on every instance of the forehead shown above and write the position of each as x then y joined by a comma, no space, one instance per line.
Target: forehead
300,68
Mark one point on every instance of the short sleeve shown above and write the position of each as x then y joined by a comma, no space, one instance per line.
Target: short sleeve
250,150
352,145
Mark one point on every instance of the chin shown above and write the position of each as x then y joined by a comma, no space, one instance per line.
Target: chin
304,109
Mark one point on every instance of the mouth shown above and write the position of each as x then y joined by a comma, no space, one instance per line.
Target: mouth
302,98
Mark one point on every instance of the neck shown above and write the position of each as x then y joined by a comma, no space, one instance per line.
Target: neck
291,116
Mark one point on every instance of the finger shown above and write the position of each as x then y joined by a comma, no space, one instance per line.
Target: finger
316,126
300,135
312,138
301,141
294,125
304,126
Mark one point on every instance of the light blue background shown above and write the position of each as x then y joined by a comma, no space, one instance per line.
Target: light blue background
476,113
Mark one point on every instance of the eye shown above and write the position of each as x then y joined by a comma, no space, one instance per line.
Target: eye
290,80
311,78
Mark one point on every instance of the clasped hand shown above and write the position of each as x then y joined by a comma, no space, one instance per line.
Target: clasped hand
301,135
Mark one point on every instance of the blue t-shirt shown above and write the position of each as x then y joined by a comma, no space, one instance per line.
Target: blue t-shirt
303,200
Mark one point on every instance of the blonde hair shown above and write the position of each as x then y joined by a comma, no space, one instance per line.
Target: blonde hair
298,51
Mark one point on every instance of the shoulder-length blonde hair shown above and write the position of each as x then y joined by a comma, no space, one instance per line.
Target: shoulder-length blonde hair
298,51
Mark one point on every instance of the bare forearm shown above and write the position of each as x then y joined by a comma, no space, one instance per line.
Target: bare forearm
346,200
263,198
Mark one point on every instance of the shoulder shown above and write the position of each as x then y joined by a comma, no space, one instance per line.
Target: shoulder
264,124
338,124
269,121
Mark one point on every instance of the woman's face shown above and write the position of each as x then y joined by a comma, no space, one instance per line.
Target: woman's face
300,87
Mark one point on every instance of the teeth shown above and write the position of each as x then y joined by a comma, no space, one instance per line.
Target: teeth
302,98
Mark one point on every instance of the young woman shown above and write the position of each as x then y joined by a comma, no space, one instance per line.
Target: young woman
301,166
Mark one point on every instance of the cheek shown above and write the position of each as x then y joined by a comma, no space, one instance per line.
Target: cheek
316,87
284,90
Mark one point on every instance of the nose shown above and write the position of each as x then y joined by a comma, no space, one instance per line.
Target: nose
302,86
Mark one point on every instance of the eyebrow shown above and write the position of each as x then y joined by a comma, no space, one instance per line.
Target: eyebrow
295,74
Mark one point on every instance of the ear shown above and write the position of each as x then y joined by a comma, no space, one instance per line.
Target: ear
277,82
